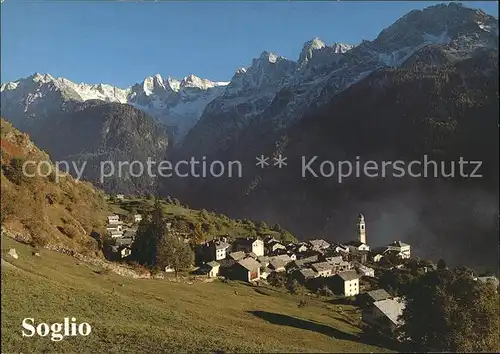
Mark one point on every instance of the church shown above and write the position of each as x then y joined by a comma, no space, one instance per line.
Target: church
360,243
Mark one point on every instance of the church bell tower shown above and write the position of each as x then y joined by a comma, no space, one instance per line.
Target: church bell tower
361,228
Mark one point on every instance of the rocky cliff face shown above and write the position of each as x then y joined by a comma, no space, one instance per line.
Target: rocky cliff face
103,135
275,92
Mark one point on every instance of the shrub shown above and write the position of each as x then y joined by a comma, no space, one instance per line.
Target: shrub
302,303
14,171
68,230
204,214
38,240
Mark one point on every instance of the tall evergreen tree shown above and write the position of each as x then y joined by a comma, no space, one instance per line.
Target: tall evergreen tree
148,235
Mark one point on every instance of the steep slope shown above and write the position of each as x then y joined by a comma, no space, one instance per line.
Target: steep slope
444,111
94,132
45,210
101,135
165,316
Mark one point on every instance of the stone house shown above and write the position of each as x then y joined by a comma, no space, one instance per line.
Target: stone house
402,249
357,246
274,246
323,269
247,269
213,269
365,271
346,283
113,219
277,265
304,274
319,244
368,298
248,245
237,255
384,315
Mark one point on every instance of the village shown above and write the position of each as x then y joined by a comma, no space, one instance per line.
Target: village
317,263
346,270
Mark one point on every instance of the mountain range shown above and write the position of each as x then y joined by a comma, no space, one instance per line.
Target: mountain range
427,84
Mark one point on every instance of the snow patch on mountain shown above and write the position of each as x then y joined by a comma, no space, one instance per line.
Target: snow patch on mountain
177,103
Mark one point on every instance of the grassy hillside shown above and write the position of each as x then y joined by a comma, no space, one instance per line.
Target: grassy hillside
146,315
211,224
39,208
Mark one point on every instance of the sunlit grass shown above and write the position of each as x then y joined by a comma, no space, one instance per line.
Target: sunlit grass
130,315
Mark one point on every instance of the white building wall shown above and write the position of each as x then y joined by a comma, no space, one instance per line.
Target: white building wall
351,287
220,254
258,248
405,250
113,219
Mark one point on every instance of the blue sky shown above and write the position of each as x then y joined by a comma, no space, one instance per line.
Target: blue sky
120,43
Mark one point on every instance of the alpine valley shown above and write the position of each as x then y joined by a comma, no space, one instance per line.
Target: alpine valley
427,85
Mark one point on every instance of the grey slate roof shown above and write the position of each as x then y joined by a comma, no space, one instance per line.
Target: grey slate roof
391,308
354,243
348,275
308,273
378,295
399,244
222,245
281,258
334,260
237,255
303,261
213,264
124,241
322,266
319,243
263,259
249,263
276,264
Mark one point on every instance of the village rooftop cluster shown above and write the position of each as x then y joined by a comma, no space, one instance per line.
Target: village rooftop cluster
339,268
314,263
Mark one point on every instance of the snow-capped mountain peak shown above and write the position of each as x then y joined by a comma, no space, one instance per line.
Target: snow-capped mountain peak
341,48
308,49
173,84
241,71
268,56
43,78
273,83
153,85
164,99
193,81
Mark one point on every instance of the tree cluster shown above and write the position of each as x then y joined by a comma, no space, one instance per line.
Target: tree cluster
450,311
156,247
